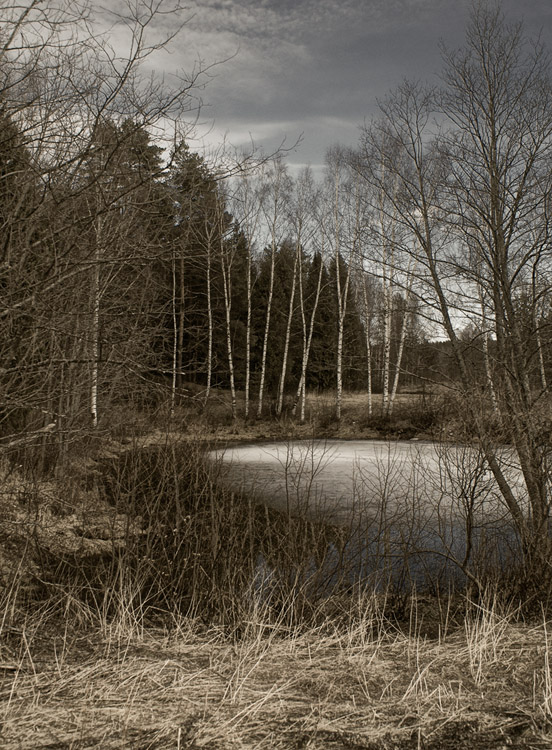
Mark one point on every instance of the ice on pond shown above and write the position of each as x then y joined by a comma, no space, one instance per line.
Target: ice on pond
338,478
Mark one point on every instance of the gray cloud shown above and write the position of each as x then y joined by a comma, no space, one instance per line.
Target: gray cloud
316,67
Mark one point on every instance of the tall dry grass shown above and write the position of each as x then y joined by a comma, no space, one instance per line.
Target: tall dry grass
149,530
355,682
205,620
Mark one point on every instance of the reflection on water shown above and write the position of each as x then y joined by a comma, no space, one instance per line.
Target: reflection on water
336,478
409,508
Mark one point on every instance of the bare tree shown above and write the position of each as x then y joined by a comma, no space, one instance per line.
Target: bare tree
344,236
61,82
302,225
478,187
276,191
365,289
497,99
247,209
227,255
310,227
406,317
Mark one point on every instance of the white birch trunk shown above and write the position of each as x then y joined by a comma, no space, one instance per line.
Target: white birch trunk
175,338
339,364
281,384
536,308
304,332
277,179
342,295
489,373
387,321
307,341
95,330
367,333
353,238
386,358
209,327
398,362
486,356
542,370
266,330
246,209
226,267
402,339
309,344
248,336
341,302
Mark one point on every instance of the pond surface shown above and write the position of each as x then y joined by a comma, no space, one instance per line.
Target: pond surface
336,479
409,510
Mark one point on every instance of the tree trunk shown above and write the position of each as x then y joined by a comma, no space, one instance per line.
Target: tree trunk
367,334
226,267
281,384
307,341
266,330
248,336
95,328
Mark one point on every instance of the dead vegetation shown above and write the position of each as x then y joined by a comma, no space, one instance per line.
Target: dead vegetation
136,612
483,683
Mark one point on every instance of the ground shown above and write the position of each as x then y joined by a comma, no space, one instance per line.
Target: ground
363,688
443,676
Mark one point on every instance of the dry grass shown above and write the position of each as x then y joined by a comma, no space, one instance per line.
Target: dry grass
79,673
362,685
215,422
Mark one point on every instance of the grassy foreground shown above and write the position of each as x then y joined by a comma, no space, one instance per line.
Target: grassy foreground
129,618
486,683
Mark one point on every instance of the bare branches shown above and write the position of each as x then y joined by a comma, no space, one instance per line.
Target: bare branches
463,174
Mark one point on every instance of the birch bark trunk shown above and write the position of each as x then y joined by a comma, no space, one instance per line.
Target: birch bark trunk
291,309
278,180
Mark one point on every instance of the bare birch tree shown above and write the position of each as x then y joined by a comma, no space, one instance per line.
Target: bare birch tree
308,225
302,225
482,185
344,236
247,210
275,193
367,306
404,323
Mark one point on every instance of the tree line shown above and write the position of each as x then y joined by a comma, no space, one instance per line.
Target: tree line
138,276
133,268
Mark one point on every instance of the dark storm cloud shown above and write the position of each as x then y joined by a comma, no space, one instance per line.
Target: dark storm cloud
317,67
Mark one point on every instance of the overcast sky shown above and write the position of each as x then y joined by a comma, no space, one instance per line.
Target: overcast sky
315,68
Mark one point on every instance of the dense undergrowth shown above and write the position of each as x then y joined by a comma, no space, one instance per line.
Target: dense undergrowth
136,518
133,555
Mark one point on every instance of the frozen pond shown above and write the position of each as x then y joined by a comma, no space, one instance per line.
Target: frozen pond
339,479
410,510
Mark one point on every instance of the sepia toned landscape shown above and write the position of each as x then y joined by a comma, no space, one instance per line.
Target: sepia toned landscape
275,441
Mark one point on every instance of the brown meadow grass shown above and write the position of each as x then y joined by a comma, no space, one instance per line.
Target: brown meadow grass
481,683
130,615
